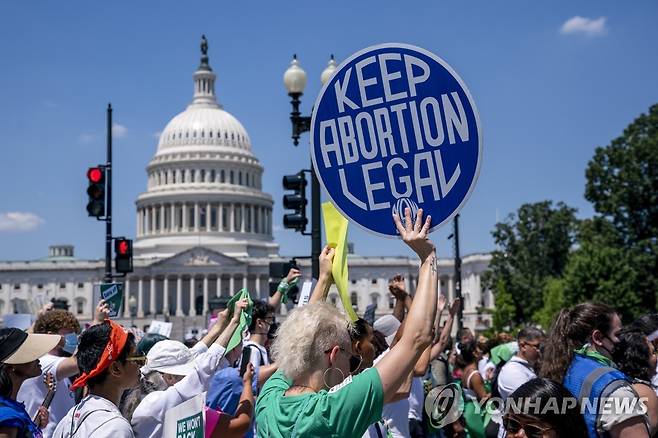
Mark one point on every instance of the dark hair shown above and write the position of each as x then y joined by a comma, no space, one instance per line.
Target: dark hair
259,310
530,334
467,352
379,341
571,330
359,330
463,332
647,324
148,341
632,353
90,348
566,422
55,320
491,343
5,381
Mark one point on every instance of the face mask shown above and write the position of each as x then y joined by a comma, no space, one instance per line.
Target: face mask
70,343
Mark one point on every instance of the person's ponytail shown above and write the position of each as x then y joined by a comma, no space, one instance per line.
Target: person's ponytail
571,330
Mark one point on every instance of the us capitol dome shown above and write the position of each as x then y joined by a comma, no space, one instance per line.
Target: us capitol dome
204,183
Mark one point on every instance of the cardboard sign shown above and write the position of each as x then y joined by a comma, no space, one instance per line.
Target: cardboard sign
160,327
305,295
186,420
394,128
112,293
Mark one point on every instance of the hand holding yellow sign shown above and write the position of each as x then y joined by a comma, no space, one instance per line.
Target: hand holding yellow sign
335,227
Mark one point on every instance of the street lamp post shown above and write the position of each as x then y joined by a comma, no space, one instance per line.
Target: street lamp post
132,305
295,81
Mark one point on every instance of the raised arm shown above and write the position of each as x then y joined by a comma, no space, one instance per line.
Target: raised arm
236,426
440,345
395,366
321,289
226,335
424,362
284,285
397,289
217,328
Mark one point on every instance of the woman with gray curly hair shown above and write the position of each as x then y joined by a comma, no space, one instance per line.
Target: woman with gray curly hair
313,393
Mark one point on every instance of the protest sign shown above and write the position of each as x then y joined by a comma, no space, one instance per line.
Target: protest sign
305,294
394,128
187,419
160,327
112,293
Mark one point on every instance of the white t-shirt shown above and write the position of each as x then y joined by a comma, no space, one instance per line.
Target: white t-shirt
514,373
33,391
148,417
259,354
94,417
654,380
395,415
416,399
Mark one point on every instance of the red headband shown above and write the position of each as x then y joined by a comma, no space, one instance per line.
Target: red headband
118,338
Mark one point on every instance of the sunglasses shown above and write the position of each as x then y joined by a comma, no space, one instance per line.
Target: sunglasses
513,425
139,360
355,360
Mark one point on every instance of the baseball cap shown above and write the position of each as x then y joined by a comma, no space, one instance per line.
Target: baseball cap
388,326
171,357
18,347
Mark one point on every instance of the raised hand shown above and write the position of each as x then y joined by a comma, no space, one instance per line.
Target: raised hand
326,261
101,313
454,307
416,235
293,274
441,303
396,287
240,305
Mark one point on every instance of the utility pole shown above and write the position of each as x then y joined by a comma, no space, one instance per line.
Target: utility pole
458,275
108,215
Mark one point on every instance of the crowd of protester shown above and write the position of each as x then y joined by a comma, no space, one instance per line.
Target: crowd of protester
318,374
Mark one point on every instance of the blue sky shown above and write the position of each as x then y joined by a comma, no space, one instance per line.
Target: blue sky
552,80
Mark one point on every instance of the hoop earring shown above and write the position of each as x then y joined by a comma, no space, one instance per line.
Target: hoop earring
324,376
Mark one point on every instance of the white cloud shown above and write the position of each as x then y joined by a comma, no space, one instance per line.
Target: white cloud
584,26
19,221
86,138
119,131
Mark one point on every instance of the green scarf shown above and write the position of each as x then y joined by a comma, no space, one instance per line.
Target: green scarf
245,318
586,350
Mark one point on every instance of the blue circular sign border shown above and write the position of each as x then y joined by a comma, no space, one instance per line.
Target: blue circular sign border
459,80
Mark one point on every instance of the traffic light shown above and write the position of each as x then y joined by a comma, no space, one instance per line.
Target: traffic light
96,191
123,255
295,201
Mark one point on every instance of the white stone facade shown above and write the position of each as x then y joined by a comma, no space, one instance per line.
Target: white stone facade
204,230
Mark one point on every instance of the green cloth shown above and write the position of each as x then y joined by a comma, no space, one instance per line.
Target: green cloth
586,350
346,410
503,352
284,287
245,318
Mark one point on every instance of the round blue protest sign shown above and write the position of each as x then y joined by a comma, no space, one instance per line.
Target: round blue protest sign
395,127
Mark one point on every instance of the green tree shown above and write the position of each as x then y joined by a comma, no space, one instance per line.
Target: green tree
604,274
533,245
554,301
622,184
505,310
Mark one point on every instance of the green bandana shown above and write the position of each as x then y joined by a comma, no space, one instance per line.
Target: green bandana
245,318
284,287
586,350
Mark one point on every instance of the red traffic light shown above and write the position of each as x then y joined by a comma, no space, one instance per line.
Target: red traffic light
95,174
122,247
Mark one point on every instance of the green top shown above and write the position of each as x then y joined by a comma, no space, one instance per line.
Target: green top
346,410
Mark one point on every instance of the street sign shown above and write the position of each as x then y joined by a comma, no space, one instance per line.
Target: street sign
394,128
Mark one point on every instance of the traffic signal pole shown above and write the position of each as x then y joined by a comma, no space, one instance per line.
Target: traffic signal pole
108,214
316,240
458,275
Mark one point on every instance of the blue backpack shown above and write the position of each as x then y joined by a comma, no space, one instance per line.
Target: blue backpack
588,379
